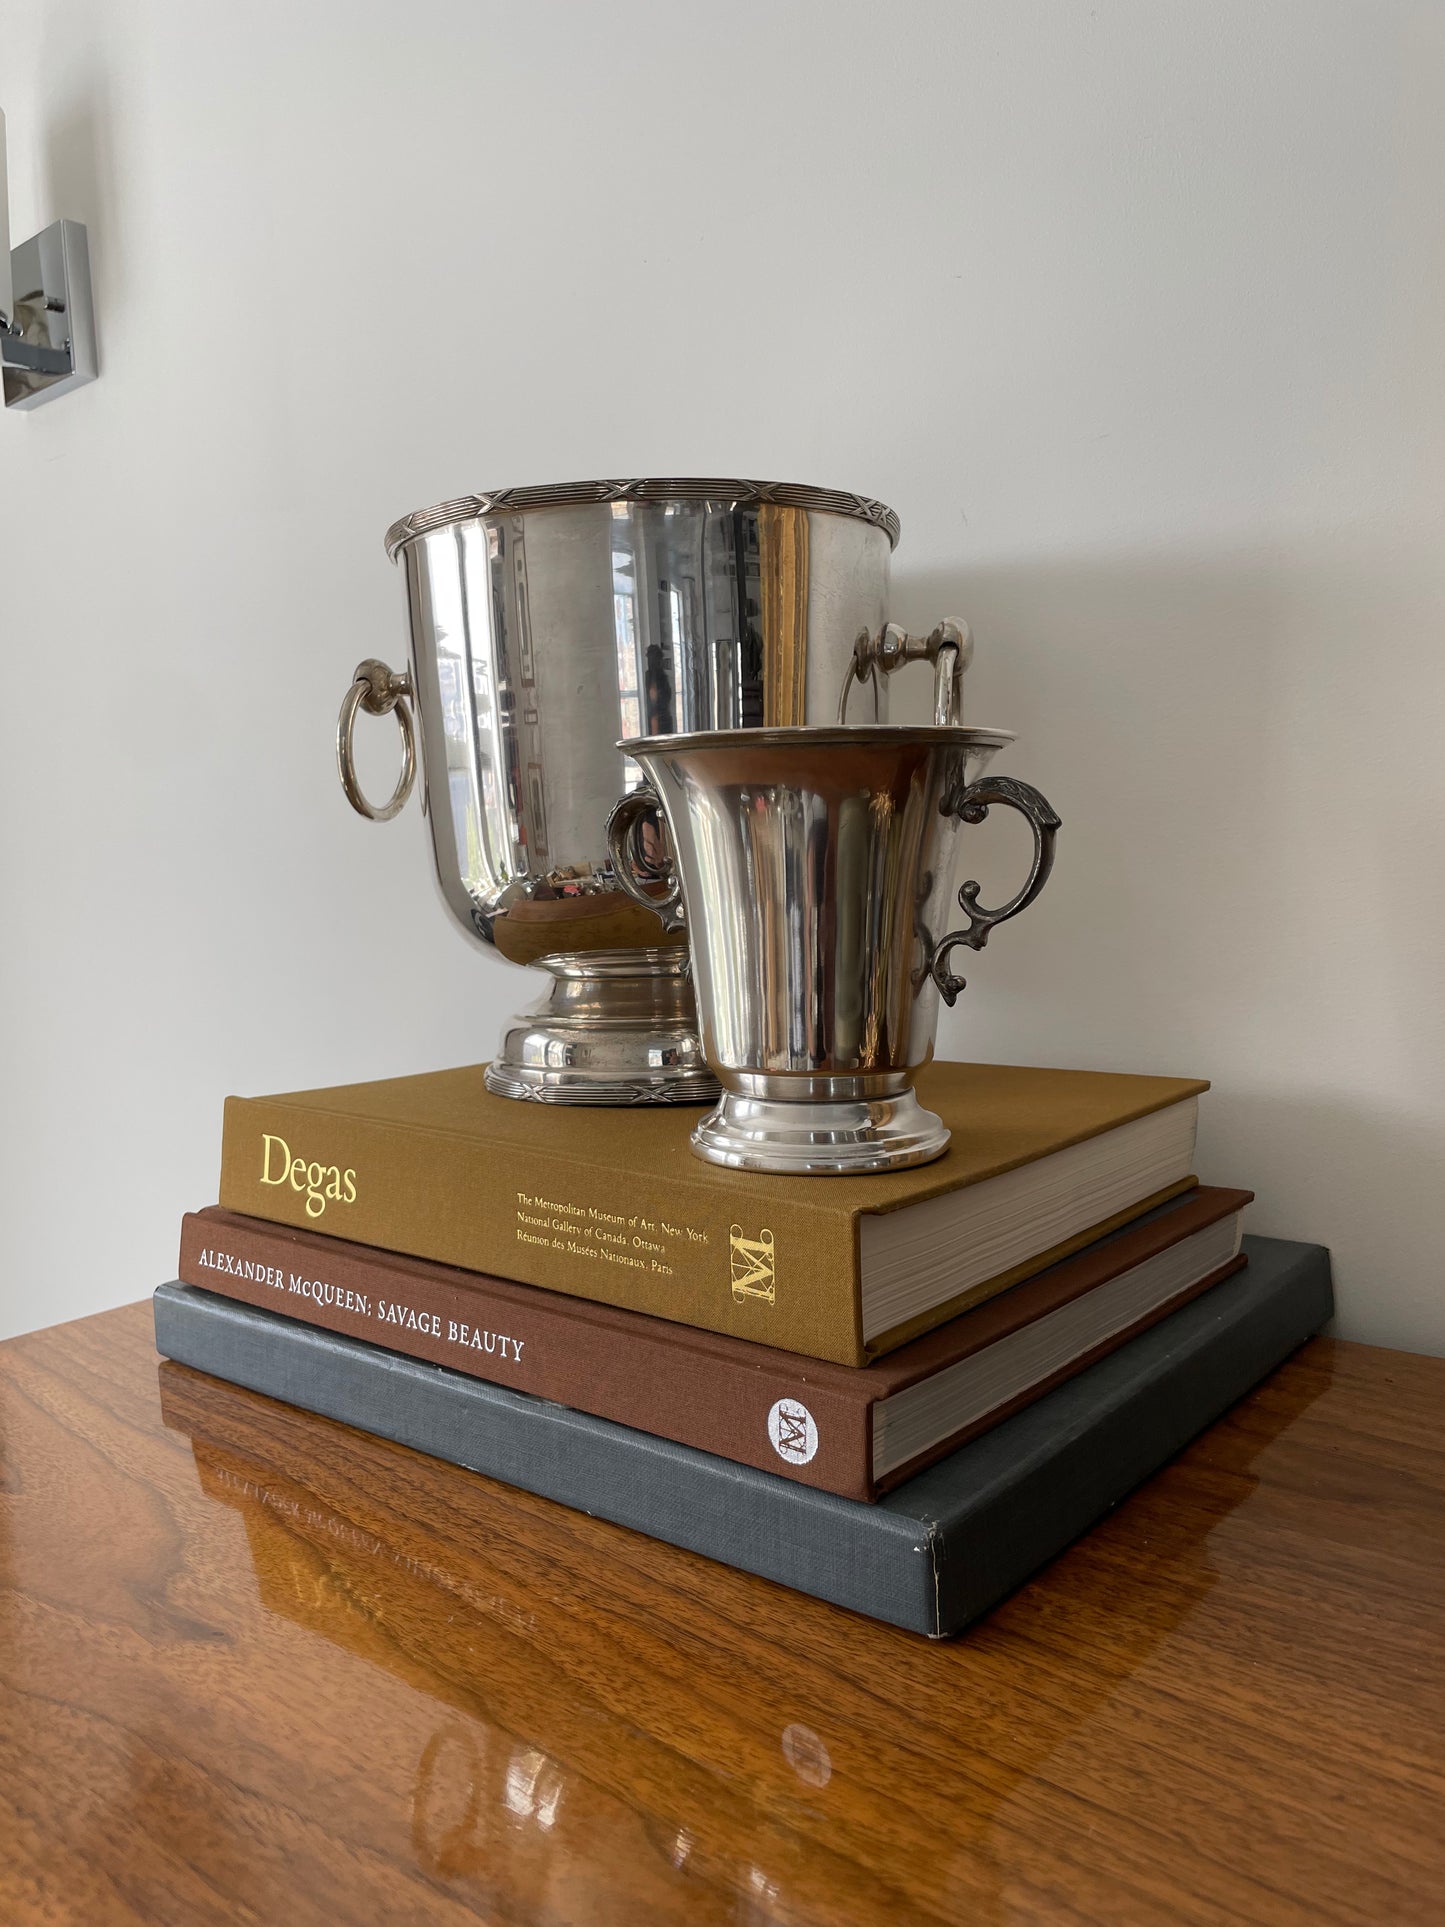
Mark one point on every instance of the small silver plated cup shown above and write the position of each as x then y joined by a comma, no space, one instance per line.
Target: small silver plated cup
812,870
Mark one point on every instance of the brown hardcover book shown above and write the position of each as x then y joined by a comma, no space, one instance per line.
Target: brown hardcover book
612,1205
847,1430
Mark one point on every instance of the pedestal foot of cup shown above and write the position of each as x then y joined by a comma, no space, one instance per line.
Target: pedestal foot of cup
615,1028
820,1139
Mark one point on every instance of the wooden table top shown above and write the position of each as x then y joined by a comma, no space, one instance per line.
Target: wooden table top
255,1667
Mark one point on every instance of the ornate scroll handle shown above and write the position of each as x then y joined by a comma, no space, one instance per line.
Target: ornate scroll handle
631,865
949,648
971,805
379,691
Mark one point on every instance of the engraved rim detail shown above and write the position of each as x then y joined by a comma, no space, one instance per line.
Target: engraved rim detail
463,508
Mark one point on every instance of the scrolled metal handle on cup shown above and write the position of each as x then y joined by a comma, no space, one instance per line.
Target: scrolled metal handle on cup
632,867
380,691
970,804
949,648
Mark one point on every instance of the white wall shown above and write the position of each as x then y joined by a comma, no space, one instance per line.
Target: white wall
1133,311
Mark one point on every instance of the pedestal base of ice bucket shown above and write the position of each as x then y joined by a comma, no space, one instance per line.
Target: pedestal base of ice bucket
819,1139
617,1027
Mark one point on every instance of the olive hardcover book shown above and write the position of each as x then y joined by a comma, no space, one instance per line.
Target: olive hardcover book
614,1206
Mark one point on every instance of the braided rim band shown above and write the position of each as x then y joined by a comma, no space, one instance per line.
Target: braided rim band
644,489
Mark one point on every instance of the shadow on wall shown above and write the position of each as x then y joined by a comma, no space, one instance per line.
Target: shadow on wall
1244,753
1359,1177
78,175
1136,691
1251,877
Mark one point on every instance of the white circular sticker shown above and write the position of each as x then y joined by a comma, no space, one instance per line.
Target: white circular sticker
792,1431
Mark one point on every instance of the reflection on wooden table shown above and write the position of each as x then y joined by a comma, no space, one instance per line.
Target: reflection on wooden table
254,1666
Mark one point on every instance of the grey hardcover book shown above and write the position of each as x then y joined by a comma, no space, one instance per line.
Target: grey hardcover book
931,1556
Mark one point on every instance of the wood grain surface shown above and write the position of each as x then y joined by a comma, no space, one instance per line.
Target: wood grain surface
255,1667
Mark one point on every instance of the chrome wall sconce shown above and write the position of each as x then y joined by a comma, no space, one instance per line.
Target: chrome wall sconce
47,322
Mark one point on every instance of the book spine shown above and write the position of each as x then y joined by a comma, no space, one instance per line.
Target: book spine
757,1263
648,1376
931,1557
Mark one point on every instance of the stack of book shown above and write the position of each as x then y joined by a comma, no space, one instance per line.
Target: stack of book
901,1393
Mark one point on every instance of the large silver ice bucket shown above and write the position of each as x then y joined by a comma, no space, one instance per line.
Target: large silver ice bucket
814,872
548,622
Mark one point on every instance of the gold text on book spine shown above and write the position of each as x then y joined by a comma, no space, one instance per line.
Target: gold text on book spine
752,1264
318,1181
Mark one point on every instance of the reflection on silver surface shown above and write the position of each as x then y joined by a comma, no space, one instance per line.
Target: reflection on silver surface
545,624
616,1018
814,869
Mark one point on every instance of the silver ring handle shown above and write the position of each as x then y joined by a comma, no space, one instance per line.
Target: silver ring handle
971,805
949,648
379,691
632,868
